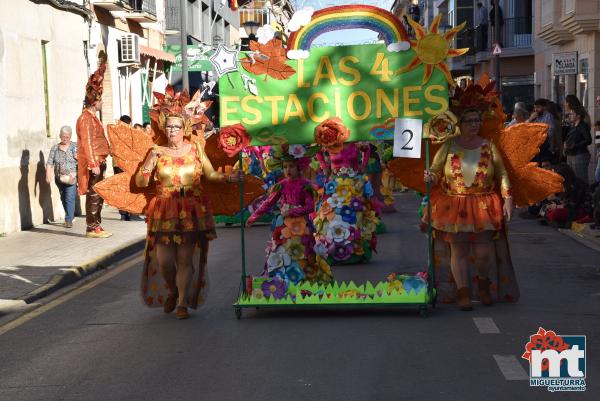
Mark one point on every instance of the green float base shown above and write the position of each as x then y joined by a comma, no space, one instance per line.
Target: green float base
347,294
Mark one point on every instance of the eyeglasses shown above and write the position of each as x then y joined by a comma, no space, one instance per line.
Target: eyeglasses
173,127
471,121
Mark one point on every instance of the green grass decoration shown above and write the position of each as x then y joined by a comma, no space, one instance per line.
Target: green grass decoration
347,293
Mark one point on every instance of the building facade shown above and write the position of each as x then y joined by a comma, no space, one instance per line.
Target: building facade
43,71
48,49
569,33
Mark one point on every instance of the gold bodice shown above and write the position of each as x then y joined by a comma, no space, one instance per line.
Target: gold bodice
463,171
172,173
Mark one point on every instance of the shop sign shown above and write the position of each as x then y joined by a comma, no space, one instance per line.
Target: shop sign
564,63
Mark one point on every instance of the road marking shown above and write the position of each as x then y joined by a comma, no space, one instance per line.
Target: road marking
510,367
70,295
17,277
486,325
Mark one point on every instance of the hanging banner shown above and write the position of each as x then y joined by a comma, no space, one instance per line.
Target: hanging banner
198,56
284,99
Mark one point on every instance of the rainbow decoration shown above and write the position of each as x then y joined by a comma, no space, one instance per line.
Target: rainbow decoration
348,17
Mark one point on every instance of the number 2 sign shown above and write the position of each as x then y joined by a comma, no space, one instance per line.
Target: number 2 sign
407,137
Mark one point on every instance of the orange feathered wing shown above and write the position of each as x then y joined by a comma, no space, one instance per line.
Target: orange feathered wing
518,144
225,198
129,149
118,191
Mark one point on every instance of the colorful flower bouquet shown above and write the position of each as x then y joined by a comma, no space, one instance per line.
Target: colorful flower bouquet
398,288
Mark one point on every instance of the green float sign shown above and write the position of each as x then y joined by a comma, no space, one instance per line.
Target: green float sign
198,57
360,84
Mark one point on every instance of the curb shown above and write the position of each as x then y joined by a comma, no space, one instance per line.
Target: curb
581,239
76,273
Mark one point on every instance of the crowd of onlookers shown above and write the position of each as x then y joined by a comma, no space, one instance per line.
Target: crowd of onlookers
566,151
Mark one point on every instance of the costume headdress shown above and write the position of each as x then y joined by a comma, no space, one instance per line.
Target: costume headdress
179,104
301,154
93,88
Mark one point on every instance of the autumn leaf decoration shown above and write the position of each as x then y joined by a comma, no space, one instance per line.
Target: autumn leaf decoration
269,60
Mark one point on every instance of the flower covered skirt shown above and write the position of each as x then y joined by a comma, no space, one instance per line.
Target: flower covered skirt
172,218
346,220
290,252
465,213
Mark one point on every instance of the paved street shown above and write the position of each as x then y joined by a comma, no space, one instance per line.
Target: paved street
100,343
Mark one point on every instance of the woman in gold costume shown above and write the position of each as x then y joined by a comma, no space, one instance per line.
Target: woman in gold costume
466,209
179,219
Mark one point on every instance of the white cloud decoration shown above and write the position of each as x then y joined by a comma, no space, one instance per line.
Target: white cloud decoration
265,34
300,18
297,54
398,47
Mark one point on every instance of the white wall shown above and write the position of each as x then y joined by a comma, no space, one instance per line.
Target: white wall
22,105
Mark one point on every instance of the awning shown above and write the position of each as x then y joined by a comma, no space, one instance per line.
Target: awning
157,54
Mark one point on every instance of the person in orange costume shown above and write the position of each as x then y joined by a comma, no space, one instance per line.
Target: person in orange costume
93,151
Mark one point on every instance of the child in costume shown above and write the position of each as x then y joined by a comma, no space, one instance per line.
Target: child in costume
346,219
290,253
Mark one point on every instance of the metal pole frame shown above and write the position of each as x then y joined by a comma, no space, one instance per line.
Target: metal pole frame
185,79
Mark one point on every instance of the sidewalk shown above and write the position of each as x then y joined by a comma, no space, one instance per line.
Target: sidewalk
37,262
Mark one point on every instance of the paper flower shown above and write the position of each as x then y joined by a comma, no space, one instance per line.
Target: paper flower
331,134
294,249
330,187
338,231
368,190
335,201
321,247
342,252
442,127
274,288
326,211
297,151
278,258
233,139
294,226
257,293
356,204
348,215
294,273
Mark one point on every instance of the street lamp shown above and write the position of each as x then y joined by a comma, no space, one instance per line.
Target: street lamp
251,28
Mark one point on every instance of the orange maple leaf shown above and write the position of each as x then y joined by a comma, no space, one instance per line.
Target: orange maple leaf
270,60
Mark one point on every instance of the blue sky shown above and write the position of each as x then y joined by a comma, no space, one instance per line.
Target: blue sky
352,36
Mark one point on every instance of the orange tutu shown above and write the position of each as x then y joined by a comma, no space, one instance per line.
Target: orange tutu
465,213
179,214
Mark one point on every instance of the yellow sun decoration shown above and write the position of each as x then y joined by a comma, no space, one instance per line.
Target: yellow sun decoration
433,49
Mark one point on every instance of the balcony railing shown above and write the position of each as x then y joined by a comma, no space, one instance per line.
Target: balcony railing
514,33
143,6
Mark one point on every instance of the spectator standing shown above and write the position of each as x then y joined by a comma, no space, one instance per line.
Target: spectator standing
93,151
493,20
482,13
520,114
61,168
576,143
540,115
148,128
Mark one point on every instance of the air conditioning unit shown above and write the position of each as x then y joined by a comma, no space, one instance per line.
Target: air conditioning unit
129,51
